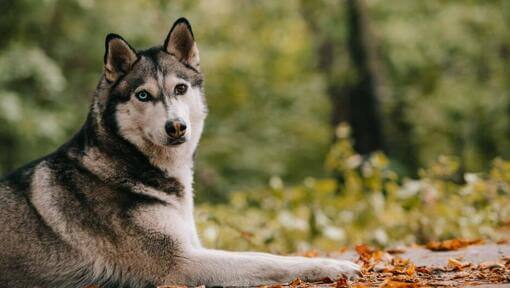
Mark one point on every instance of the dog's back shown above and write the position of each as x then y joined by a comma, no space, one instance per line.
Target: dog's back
29,246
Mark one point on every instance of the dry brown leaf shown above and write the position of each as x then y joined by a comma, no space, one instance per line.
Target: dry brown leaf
310,254
411,269
491,265
457,265
397,250
398,284
450,245
296,283
343,249
363,251
462,274
502,241
325,280
341,283
423,269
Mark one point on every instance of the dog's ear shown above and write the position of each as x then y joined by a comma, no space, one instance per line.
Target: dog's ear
180,42
119,57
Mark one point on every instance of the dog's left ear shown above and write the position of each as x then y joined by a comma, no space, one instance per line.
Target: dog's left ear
180,42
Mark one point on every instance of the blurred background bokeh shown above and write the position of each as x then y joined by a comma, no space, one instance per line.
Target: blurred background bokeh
331,122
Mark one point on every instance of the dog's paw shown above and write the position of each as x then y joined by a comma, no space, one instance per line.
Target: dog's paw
320,268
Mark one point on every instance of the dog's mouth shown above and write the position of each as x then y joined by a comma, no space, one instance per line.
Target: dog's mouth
175,141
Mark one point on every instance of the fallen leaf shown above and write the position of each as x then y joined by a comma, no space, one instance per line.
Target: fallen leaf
411,269
398,284
490,265
325,280
450,245
456,264
341,283
296,282
397,250
363,251
462,274
343,249
423,269
310,254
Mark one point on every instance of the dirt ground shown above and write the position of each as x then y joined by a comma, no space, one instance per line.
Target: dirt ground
482,265
452,263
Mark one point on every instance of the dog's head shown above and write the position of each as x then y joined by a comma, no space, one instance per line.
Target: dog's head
153,98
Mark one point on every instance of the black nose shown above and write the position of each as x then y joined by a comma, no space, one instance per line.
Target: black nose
175,128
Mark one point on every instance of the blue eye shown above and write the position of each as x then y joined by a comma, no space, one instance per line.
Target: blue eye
143,96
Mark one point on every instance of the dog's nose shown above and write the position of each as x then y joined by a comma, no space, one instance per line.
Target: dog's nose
175,128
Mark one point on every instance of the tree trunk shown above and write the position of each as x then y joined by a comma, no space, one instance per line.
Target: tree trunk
356,101
364,92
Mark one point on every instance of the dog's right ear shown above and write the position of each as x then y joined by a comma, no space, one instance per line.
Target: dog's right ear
119,57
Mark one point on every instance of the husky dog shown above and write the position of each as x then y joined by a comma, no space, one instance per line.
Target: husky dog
114,205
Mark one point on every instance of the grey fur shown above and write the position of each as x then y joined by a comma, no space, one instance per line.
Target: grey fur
114,205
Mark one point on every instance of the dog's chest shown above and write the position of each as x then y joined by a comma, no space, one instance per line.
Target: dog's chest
176,218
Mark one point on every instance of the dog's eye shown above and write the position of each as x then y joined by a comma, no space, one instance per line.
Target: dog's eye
180,89
143,96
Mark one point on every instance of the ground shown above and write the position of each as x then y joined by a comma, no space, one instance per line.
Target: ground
452,263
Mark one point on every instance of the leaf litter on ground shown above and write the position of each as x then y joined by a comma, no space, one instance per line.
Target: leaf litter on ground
387,269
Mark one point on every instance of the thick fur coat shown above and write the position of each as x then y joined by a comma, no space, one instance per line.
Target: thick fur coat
114,205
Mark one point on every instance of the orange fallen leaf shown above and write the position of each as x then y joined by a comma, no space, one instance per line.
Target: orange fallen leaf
343,249
296,283
411,269
341,283
398,284
457,265
310,254
450,245
363,251
396,250
399,262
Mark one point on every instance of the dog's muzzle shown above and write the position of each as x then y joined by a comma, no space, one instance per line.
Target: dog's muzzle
176,129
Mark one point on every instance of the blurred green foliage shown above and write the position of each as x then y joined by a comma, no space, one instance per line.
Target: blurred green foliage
367,203
445,68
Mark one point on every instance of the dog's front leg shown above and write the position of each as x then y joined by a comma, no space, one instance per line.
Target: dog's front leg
221,268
